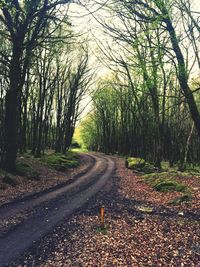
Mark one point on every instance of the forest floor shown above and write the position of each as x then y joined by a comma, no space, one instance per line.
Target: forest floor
36,178
142,227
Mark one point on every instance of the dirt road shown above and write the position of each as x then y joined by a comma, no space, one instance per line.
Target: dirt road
40,213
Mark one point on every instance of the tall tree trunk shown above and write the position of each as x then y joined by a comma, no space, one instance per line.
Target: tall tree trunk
11,111
183,162
9,163
182,73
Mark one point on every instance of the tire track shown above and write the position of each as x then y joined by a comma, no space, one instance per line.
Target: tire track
23,235
14,207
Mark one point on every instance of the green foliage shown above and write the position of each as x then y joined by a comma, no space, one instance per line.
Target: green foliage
190,169
88,132
134,163
98,130
61,162
10,180
75,144
25,169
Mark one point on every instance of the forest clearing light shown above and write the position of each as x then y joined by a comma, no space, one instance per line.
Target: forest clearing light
86,17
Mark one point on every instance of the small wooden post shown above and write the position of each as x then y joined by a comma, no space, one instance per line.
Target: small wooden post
102,217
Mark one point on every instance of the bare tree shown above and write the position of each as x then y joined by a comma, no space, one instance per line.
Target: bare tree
26,25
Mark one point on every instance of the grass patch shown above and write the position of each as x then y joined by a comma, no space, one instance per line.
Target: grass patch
61,162
25,169
100,230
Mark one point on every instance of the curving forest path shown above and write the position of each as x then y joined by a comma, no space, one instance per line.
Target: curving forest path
39,213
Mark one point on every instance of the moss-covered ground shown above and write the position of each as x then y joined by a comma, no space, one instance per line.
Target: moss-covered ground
168,179
61,162
29,167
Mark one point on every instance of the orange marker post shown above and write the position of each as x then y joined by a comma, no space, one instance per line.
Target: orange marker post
102,217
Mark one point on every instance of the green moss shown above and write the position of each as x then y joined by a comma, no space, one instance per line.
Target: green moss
22,167
165,165
179,200
134,163
25,169
61,162
156,177
190,170
165,182
71,163
168,186
10,180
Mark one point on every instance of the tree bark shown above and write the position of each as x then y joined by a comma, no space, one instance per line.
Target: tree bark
182,75
11,111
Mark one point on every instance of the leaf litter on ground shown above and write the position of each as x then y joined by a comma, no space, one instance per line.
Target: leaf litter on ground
133,237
